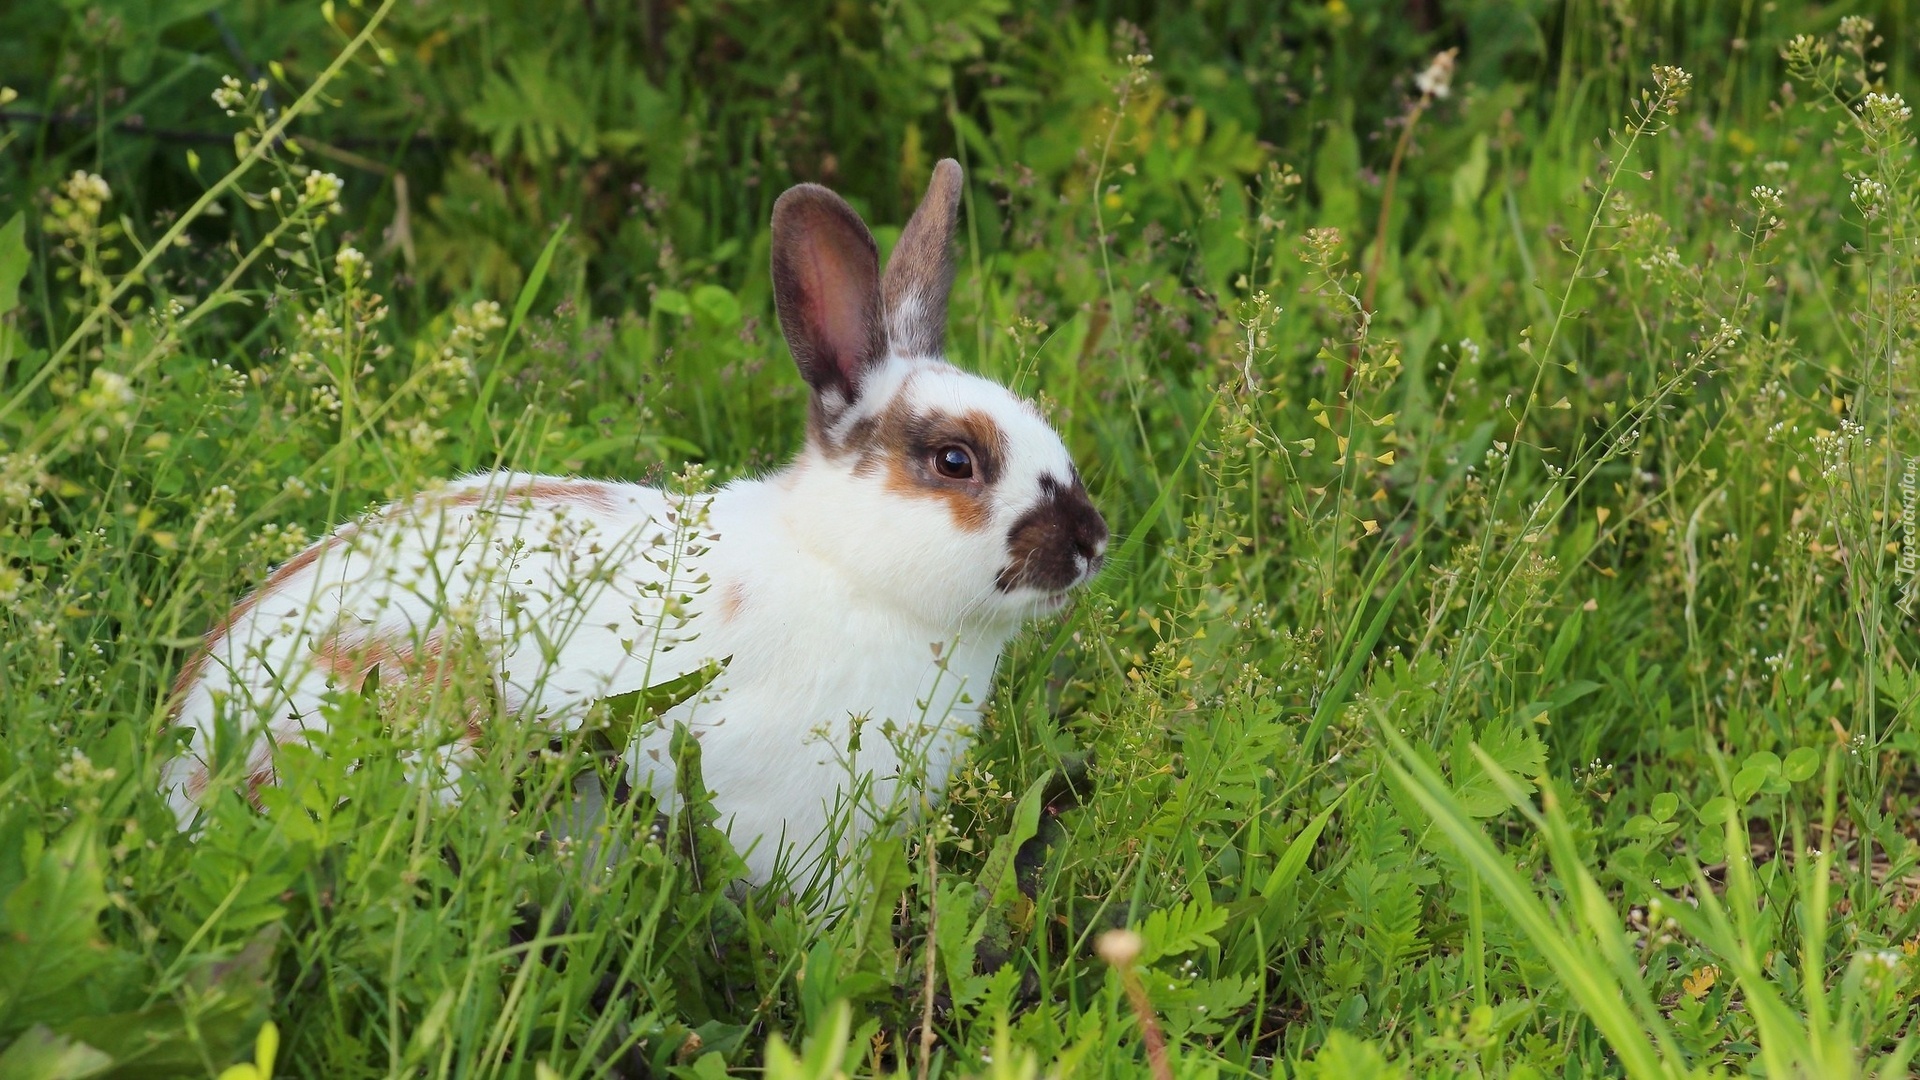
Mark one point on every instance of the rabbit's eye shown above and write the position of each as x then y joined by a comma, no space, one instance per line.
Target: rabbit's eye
953,462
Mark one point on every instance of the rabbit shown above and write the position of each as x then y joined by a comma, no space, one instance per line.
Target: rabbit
861,595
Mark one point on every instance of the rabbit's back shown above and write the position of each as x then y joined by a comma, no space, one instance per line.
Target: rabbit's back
565,590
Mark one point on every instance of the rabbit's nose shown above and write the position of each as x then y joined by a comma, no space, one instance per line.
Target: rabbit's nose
1090,541
1092,550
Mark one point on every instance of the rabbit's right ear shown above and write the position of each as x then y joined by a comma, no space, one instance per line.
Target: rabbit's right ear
826,287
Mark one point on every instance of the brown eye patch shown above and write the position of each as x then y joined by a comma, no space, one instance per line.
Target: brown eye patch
914,449
929,438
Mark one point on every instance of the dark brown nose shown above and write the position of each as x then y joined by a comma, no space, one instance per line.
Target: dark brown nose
1058,543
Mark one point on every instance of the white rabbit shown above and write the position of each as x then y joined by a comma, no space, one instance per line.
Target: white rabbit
875,579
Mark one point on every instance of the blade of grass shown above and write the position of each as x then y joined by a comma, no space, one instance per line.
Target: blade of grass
1597,991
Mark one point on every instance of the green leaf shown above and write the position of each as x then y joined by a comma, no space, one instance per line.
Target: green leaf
13,261
1619,1008
1716,810
717,306
1801,765
218,1020
716,863
626,712
49,926
1470,179
1181,928
825,1049
1515,750
997,873
40,1054
1357,652
1294,859
887,877
671,302
477,422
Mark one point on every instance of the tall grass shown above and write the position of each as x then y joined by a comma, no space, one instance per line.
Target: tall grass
1505,668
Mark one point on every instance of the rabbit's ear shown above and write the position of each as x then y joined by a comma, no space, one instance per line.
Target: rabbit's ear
826,287
920,273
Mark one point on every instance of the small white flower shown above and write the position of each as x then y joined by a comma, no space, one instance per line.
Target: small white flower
1892,106
1870,196
1436,81
1854,27
350,264
229,95
323,190
111,387
87,191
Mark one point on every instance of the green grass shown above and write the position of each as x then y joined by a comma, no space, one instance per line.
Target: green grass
1503,670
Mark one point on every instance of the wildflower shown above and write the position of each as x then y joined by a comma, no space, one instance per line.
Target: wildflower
1436,82
482,315
1803,52
76,210
1884,114
1855,30
107,390
1892,106
229,95
1870,196
1768,197
350,264
1673,84
21,478
1323,243
1663,260
323,190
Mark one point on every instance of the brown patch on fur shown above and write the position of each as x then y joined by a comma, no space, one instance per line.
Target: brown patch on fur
351,660
901,444
281,574
197,781
546,490
969,510
733,600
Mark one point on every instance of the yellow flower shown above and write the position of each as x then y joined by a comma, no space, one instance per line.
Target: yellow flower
265,1046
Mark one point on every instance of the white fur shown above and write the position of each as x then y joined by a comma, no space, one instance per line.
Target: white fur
835,598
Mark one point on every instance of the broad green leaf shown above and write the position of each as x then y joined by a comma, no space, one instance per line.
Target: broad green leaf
996,875
1716,810
40,1054
627,712
50,926
1801,765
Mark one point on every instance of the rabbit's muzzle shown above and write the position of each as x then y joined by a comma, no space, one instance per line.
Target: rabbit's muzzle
1057,544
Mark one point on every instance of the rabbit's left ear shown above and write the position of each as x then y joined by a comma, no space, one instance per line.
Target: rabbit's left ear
920,272
826,288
